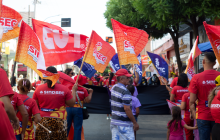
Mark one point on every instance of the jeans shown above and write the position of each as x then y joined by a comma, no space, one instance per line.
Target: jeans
215,132
75,115
18,137
205,128
122,132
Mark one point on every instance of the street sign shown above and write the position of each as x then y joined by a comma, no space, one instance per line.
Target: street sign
65,22
109,39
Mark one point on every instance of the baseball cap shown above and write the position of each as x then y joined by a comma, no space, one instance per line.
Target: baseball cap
123,72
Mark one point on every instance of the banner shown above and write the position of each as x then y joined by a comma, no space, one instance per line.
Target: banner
152,99
160,64
213,33
87,69
99,52
139,68
114,63
58,46
130,42
144,59
10,20
28,51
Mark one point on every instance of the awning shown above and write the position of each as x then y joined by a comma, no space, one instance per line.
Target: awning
205,47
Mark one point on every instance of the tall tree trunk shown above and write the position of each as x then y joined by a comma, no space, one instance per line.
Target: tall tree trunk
175,36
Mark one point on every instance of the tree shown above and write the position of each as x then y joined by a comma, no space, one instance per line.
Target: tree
125,12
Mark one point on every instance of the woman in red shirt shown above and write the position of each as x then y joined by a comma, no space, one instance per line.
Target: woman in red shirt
51,101
185,106
111,81
27,131
75,114
179,90
214,104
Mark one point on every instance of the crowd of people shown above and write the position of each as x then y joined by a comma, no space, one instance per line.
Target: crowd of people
54,109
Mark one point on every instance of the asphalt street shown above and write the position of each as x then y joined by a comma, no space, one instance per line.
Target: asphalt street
152,127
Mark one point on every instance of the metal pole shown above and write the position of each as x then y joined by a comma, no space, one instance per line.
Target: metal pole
13,71
35,2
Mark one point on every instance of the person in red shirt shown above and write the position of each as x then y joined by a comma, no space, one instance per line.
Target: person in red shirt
51,100
19,107
94,80
111,81
180,89
75,114
6,109
37,83
185,106
200,86
214,105
26,130
175,80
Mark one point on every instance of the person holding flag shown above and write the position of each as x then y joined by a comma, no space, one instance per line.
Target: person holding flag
51,100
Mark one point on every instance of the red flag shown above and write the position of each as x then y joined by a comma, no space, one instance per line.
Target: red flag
130,42
28,51
213,33
57,45
10,20
190,70
99,52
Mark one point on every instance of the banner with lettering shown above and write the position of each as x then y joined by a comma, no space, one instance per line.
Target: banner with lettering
99,53
213,33
160,64
28,51
10,20
114,63
58,46
87,69
139,69
130,42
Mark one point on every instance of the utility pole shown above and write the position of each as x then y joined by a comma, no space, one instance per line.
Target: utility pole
35,2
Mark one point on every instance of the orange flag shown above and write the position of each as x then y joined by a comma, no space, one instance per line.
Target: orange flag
99,52
213,33
10,20
28,52
130,42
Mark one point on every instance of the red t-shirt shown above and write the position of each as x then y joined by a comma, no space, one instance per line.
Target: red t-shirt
179,91
201,84
31,106
16,101
174,82
215,108
95,82
36,84
52,101
185,99
6,130
5,87
113,82
82,93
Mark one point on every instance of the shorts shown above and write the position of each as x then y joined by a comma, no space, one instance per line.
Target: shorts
122,132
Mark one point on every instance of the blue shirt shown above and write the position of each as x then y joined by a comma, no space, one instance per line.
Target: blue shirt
120,96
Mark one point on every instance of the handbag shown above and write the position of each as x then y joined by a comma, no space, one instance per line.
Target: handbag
85,111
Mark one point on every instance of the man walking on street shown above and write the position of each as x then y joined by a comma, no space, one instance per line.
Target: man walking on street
123,122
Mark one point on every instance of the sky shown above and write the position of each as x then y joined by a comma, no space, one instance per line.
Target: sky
86,15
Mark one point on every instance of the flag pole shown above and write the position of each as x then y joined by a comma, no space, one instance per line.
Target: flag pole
84,58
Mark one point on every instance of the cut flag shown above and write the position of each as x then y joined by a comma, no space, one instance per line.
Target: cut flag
99,52
213,33
10,20
171,104
160,64
195,52
58,46
28,52
139,69
87,69
130,42
114,63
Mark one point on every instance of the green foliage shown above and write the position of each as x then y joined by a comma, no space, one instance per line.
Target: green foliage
124,12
